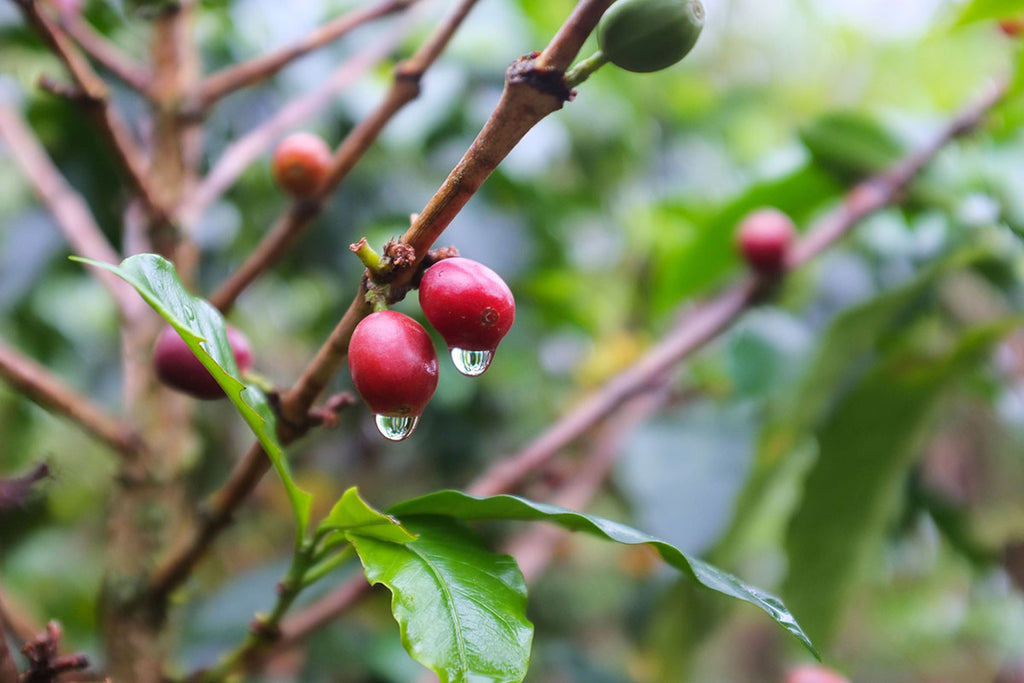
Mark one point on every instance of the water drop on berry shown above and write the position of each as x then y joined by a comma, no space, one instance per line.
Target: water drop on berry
396,427
471,363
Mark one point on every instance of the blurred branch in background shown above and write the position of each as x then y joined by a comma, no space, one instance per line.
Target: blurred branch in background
244,74
93,96
67,207
103,51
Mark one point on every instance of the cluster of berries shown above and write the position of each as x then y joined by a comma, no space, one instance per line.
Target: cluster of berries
391,357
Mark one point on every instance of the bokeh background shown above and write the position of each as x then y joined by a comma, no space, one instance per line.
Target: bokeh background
854,443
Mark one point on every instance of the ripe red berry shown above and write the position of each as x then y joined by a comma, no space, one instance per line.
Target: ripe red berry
472,308
764,237
177,367
1012,27
394,368
814,674
301,162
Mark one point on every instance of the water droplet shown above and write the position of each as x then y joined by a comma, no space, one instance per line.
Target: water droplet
471,363
396,428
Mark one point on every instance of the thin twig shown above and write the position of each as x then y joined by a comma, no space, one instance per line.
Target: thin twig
96,103
404,88
67,207
46,389
16,619
8,667
695,329
331,356
260,68
243,152
705,322
106,53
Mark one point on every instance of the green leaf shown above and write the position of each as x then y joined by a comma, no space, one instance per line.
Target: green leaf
202,328
352,514
463,506
461,609
865,449
850,145
980,10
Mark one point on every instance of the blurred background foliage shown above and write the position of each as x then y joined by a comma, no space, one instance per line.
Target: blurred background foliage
854,443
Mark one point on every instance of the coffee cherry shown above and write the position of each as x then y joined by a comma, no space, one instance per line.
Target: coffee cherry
764,237
177,367
471,307
814,674
1012,27
648,35
394,368
301,162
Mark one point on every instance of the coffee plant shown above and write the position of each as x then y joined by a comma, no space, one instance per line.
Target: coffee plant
768,322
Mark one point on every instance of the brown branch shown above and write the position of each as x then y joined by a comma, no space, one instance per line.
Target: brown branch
16,619
487,151
44,388
106,53
8,667
67,207
241,75
244,151
404,88
96,103
534,548
704,323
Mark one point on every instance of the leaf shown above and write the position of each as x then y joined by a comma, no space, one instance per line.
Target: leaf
865,449
850,144
202,328
352,514
980,10
461,609
463,506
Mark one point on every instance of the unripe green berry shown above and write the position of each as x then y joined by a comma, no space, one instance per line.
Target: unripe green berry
648,35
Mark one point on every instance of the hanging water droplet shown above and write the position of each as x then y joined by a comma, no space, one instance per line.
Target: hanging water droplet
471,363
396,428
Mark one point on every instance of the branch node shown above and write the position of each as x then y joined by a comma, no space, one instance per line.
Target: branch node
545,79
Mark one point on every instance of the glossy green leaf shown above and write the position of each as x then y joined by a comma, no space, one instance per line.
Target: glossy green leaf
461,609
463,506
865,449
202,328
352,514
850,145
980,10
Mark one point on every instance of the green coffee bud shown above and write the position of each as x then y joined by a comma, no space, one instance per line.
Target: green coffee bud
648,35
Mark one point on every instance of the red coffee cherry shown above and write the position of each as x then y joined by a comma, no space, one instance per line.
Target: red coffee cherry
814,674
177,367
472,308
1012,27
394,368
301,162
764,237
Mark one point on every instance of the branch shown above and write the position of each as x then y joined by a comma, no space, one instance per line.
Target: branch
706,322
244,151
106,53
38,384
404,88
487,151
67,207
529,96
241,75
8,667
94,97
